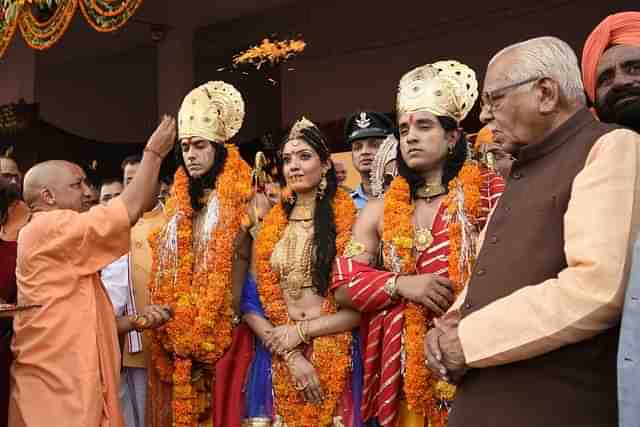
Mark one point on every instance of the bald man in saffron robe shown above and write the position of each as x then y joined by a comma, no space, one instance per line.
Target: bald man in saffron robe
67,355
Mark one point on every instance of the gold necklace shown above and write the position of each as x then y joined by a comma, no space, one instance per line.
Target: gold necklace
430,191
303,212
295,268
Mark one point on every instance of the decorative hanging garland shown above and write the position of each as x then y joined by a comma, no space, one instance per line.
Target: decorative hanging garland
42,35
42,32
108,15
7,30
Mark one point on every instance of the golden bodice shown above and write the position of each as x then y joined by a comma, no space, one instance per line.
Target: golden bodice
292,258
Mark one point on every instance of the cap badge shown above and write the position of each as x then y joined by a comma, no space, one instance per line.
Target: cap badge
363,121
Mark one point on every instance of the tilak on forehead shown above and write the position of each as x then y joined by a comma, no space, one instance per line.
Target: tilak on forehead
444,88
213,111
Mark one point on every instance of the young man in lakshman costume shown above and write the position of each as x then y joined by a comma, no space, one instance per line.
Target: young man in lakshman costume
302,374
535,340
428,222
197,359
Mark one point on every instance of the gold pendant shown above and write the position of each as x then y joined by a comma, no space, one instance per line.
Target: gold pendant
293,284
423,239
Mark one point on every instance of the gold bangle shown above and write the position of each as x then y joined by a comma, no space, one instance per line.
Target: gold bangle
290,354
391,287
139,322
301,333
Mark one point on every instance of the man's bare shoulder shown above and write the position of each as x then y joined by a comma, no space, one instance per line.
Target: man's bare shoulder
370,217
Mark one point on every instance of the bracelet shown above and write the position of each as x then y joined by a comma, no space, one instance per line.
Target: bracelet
301,333
246,223
290,354
391,287
138,322
150,150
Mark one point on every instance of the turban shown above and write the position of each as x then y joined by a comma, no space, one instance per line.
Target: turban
620,28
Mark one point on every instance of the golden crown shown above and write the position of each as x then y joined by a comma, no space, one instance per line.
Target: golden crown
296,129
444,88
214,111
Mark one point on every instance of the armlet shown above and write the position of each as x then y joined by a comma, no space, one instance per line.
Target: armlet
356,249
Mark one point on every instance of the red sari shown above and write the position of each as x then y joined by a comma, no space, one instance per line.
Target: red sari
8,253
383,323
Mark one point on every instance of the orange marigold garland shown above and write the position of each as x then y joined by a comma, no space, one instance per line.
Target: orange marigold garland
8,26
197,332
108,15
42,35
398,235
331,354
422,390
270,51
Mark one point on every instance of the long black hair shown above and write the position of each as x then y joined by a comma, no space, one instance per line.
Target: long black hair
324,223
454,162
197,186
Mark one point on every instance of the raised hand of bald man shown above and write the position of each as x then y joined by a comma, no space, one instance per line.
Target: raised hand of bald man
140,195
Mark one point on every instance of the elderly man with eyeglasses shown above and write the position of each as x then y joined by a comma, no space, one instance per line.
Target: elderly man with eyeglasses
533,340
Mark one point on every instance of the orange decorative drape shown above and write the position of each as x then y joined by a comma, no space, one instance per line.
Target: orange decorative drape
43,30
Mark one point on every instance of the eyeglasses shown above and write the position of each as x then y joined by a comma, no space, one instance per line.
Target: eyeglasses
488,98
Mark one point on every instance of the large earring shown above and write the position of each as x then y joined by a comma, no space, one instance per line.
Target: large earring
450,149
322,186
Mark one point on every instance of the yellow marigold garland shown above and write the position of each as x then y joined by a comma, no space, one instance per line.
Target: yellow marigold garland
331,354
422,390
197,332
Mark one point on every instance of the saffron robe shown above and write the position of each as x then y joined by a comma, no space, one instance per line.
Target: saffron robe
67,355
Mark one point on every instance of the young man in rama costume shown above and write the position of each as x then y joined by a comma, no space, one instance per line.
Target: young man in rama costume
193,376
428,224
